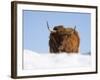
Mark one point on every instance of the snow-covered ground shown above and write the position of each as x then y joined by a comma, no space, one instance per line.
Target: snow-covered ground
33,60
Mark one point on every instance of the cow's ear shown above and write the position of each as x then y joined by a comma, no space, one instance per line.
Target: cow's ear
55,28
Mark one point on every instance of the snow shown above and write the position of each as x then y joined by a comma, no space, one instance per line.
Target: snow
33,60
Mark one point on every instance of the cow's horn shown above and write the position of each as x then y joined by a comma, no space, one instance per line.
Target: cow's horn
74,28
49,28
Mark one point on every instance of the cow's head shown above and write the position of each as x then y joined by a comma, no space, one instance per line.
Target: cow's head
61,39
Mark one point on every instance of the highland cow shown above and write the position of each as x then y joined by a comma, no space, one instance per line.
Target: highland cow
63,39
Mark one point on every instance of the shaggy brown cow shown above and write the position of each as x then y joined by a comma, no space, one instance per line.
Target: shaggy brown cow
63,40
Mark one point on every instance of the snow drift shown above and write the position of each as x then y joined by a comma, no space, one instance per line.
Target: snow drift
33,60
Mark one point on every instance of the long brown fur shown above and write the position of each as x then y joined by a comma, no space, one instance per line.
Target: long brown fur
64,40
